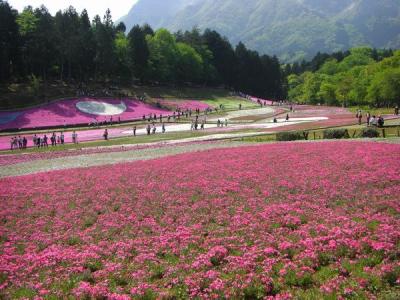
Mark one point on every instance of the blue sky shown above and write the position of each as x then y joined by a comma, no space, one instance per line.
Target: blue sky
118,8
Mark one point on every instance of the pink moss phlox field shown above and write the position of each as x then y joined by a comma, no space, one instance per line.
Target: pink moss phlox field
12,159
277,221
65,112
183,104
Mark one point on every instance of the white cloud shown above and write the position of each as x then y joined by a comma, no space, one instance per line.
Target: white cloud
118,8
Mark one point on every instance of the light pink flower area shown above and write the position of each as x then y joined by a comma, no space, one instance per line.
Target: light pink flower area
274,221
65,112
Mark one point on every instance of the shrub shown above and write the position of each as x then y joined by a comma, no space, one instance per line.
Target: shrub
336,134
290,136
369,133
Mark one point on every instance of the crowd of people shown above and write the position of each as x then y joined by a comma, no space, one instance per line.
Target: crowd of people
151,129
54,139
19,142
372,120
105,122
197,122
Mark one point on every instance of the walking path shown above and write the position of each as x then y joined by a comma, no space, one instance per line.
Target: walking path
99,159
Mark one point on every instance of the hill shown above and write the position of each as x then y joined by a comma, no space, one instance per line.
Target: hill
291,29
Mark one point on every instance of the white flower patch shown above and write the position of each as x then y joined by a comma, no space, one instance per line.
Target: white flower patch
101,108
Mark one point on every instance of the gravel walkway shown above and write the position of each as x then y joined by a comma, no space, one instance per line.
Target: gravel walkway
98,159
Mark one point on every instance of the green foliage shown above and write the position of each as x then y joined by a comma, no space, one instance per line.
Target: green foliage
27,21
24,293
93,265
254,291
370,133
190,66
392,276
138,52
290,136
34,85
336,134
385,86
357,80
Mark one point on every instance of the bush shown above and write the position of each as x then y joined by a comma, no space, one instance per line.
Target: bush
291,136
336,134
369,133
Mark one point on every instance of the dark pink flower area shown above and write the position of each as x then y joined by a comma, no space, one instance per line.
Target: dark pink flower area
275,221
65,112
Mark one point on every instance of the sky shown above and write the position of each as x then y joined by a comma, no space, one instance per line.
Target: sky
119,8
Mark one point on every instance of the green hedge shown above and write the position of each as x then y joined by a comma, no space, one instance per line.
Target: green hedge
370,132
291,136
336,134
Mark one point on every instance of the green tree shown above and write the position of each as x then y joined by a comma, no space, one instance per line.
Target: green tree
121,48
385,88
189,64
163,56
9,40
138,52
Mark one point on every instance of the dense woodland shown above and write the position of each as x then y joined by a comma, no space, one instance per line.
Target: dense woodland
37,46
361,76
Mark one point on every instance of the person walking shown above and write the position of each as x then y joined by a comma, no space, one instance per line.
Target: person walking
105,134
74,137
34,139
134,130
163,128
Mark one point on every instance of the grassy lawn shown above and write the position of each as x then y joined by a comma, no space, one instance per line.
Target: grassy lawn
18,96
354,132
178,92
372,110
231,103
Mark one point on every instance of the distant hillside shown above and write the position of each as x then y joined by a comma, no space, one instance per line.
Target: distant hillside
291,29
157,13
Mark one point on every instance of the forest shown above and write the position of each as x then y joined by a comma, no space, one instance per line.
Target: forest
361,76
69,47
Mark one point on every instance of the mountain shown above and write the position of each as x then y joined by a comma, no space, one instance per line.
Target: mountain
156,13
290,29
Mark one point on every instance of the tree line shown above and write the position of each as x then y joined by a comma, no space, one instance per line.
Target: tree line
71,47
363,76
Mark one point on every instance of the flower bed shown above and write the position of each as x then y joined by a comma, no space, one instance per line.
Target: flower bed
282,220
183,104
12,159
65,112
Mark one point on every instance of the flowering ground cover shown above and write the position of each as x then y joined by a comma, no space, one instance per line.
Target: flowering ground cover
183,104
12,159
275,221
65,112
